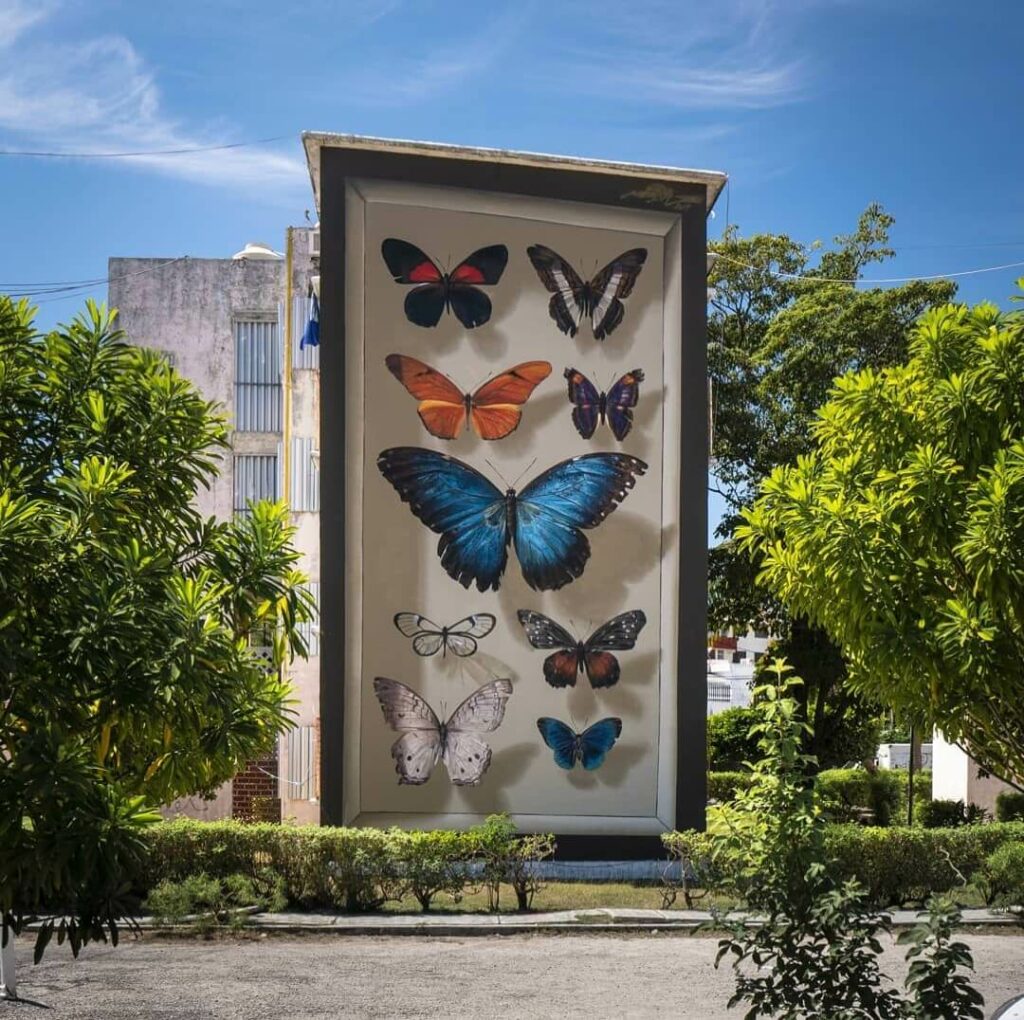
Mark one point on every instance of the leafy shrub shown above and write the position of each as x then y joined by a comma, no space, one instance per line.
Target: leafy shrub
848,793
1001,878
510,859
948,814
730,744
346,869
1010,806
722,786
213,901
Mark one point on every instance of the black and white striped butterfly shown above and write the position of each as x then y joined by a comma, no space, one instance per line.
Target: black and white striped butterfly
429,639
574,299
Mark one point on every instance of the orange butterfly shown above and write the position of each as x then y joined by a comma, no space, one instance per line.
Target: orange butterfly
493,410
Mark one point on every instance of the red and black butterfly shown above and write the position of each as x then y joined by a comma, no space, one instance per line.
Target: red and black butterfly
593,656
574,299
616,406
434,291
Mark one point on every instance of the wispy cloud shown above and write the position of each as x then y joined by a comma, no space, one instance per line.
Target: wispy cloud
723,57
98,95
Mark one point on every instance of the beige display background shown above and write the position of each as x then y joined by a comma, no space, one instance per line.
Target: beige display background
391,556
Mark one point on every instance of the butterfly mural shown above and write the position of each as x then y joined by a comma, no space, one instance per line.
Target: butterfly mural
429,639
599,299
589,748
493,409
593,656
424,740
434,291
477,522
590,408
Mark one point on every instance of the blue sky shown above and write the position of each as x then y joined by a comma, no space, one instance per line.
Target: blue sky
814,108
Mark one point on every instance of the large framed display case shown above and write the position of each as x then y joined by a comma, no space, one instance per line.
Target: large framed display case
514,461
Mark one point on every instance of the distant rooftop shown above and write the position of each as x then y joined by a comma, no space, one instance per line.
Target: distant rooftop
712,181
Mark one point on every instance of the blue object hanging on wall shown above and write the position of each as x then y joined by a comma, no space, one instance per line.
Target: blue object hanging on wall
311,334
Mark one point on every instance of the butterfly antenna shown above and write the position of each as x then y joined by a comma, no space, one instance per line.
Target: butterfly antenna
523,472
490,464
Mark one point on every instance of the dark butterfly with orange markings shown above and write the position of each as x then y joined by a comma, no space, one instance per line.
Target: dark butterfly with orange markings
598,299
616,406
493,409
593,656
434,291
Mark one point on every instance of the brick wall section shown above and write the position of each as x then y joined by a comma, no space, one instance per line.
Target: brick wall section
253,784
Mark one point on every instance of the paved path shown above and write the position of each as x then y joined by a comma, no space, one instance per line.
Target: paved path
283,977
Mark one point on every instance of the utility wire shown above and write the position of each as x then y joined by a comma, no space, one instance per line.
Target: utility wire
778,273
142,152
76,290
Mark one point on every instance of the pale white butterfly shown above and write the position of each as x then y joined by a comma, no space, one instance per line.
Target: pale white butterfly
425,740
429,639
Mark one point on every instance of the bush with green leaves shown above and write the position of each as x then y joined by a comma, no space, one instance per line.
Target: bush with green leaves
948,814
126,674
510,859
723,786
729,744
1000,879
210,902
1010,806
816,946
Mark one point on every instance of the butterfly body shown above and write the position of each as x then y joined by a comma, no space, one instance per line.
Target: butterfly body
493,410
598,299
425,740
589,748
477,523
593,657
615,407
436,292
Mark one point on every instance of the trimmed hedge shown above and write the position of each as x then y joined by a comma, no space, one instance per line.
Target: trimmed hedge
1010,806
895,865
348,869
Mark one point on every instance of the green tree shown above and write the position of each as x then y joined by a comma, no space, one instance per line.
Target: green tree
127,675
902,532
782,325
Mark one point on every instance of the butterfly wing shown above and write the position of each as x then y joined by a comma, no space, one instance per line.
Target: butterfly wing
459,504
426,636
566,306
465,754
551,510
596,741
561,739
496,407
615,281
462,635
472,307
621,399
442,406
560,669
418,747
409,265
586,402
618,634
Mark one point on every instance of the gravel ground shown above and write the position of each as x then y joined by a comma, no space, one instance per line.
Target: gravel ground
303,977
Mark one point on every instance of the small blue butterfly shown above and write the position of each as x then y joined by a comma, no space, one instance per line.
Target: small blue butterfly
589,748
477,522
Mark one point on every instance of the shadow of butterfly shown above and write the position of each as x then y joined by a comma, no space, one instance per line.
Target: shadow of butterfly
598,299
593,656
493,409
590,408
429,639
424,740
589,748
435,292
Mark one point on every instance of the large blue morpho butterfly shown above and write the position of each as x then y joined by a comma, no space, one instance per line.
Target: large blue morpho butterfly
589,748
477,522
616,406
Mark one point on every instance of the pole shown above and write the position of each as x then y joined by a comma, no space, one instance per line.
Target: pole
910,780
8,980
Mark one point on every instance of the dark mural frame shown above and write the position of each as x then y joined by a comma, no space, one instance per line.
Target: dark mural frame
600,185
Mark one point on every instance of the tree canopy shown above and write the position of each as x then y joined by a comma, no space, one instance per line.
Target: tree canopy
127,671
902,531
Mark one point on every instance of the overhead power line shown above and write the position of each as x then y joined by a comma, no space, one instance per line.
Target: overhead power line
36,154
65,291
779,274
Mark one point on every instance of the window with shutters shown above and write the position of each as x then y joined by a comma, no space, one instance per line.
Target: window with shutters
257,376
256,478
